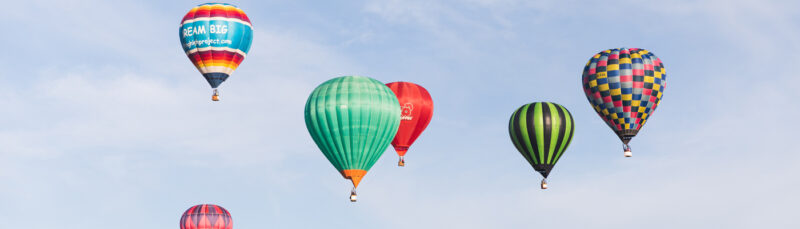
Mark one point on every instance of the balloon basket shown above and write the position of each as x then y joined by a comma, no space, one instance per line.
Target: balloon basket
402,162
215,96
627,150
353,197
544,184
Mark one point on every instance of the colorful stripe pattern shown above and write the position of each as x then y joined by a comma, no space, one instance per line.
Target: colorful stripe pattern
624,86
352,119
206,216
216,37
541,132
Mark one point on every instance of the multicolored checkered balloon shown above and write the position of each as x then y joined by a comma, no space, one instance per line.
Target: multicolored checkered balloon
216,37
624,86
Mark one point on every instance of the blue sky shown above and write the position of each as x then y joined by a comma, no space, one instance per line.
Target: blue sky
106,123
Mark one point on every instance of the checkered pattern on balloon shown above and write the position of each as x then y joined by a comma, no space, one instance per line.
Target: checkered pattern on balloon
624,86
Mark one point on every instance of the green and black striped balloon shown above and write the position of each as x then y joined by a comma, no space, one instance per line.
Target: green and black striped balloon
541,131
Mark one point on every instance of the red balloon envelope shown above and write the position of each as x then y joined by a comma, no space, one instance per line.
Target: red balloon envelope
417,109
206,216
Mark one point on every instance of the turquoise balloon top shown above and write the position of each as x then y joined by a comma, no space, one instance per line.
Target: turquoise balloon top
352,119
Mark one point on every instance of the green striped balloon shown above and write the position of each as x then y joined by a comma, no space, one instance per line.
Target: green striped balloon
352,119
541,131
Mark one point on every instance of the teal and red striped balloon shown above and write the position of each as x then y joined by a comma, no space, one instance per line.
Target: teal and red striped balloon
216,37
541,132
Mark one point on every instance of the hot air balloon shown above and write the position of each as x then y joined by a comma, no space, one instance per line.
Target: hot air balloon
416,111
206,216
216,37
352,119
624,86
541,132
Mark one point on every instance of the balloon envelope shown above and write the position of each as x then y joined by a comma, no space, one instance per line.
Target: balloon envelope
541,132
416,112
216,37
206,216
624,86
352,119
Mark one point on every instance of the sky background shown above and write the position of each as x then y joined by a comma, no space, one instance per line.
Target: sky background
106,124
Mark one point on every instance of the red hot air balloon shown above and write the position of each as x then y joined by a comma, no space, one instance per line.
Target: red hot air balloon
206,216
417,109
